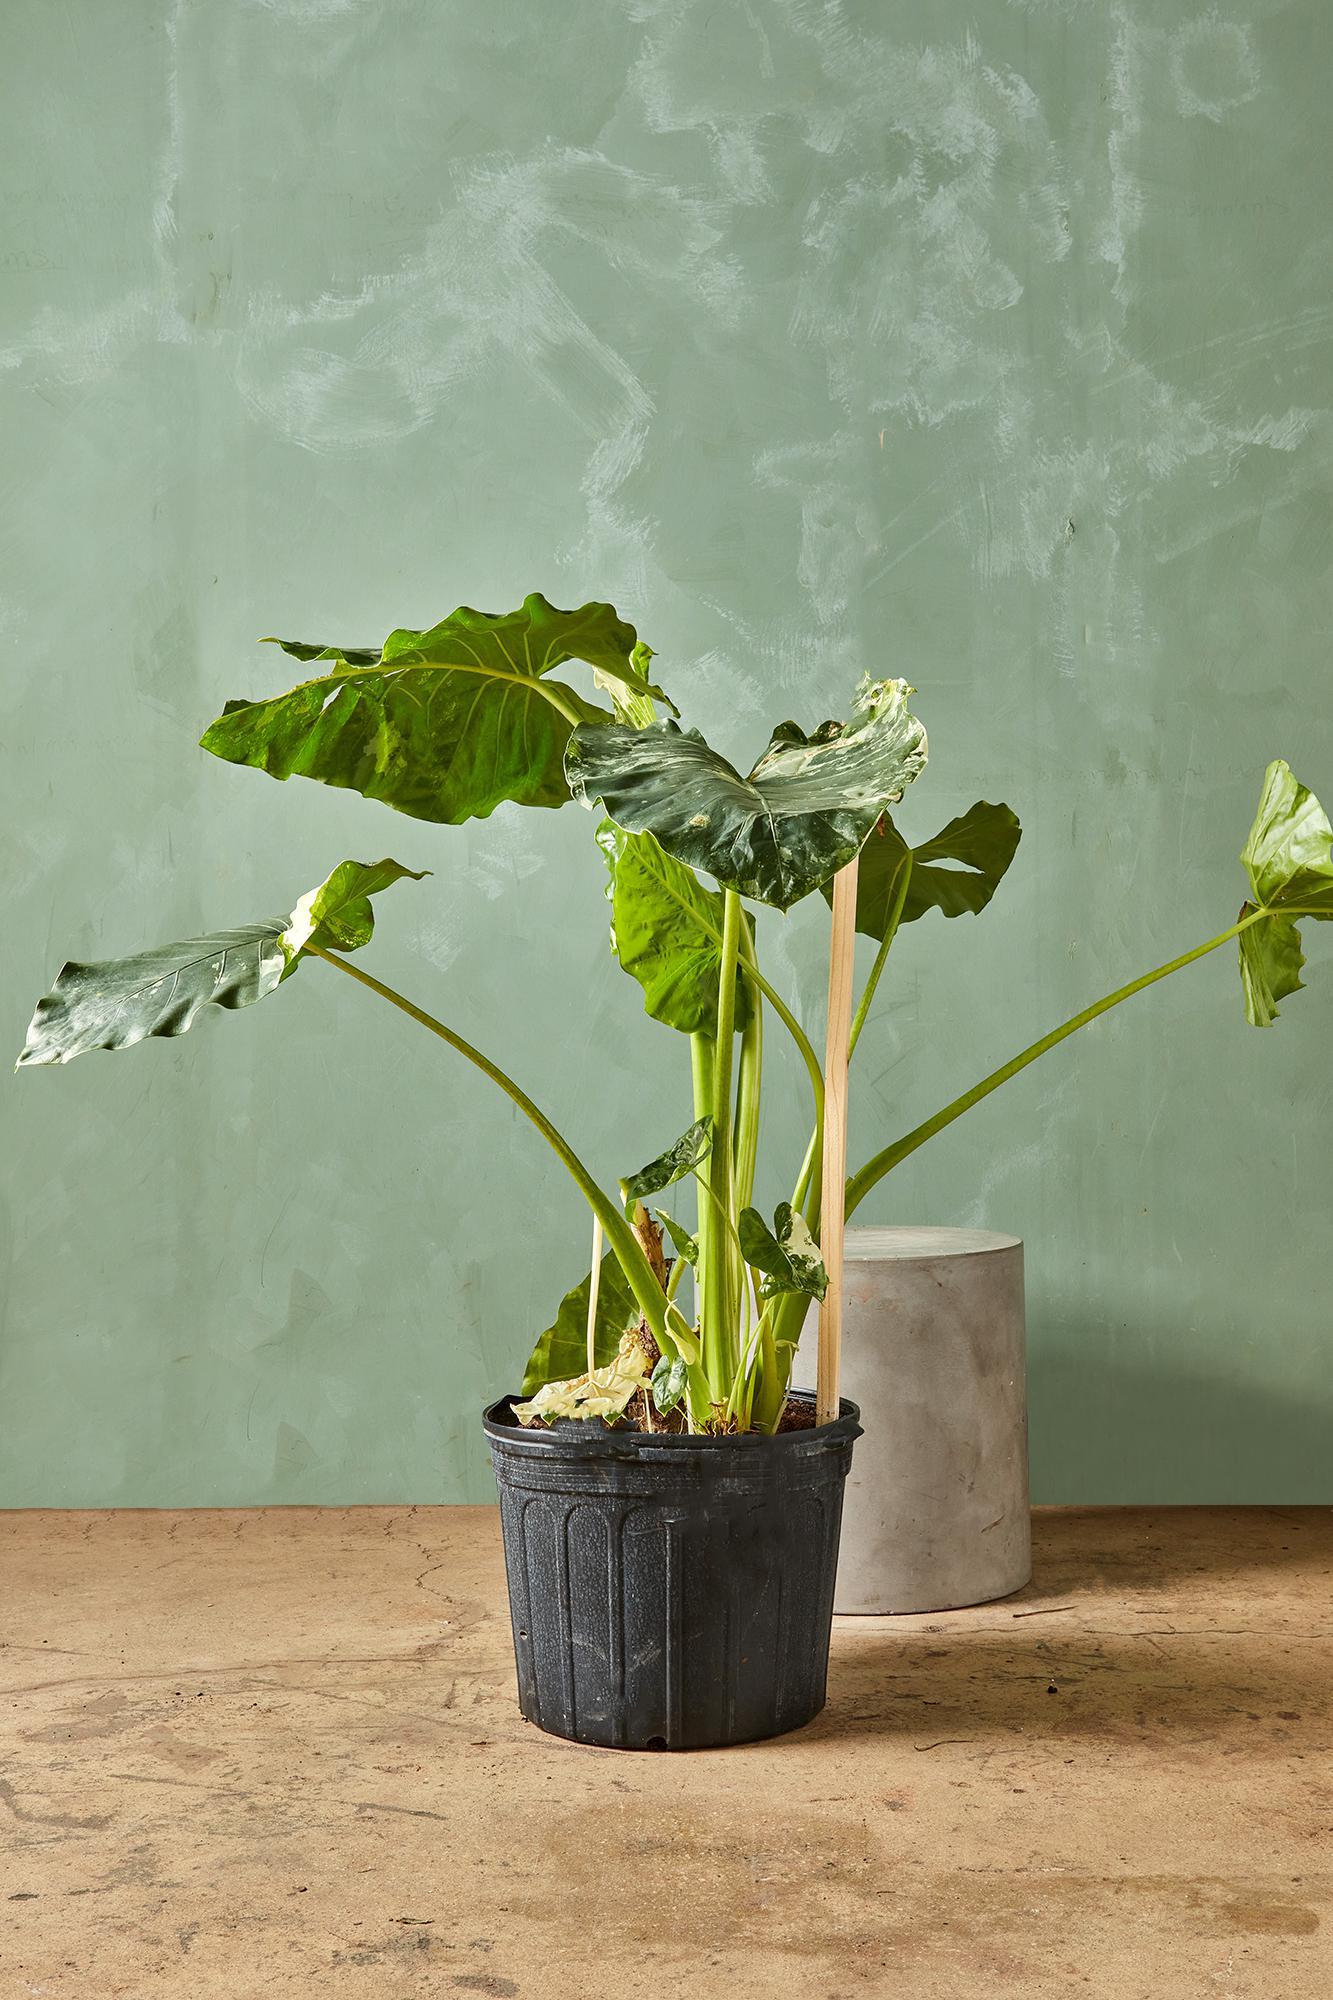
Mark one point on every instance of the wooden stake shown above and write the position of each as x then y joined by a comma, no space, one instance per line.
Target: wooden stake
842,944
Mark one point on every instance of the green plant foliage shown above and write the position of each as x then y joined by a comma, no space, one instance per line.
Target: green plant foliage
448,723
682,1242
338,915
982,843
444,724
351,656
668,1383
1289,860
1287,855
679,1159
117,1002
562,1350
802,813
787,1254
633,700
666,931
1270,966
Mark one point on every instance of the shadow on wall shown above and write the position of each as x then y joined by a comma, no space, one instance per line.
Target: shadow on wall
1108,1428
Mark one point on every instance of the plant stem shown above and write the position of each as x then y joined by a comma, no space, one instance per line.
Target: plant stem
806,1175
890,933
748,1078
718,1212
556,699
718,1324
594,1288
794,1029
628,1250
774,999
771,1389
785,1318
701,1076
875,1169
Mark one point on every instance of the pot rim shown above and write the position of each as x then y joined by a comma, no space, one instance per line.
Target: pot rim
591,1440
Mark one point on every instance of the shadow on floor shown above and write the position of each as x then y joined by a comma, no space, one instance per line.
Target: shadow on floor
1263,1695
1131,1550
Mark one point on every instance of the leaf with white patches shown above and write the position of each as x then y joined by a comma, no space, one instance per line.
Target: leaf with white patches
776,835
680,1158
787,1254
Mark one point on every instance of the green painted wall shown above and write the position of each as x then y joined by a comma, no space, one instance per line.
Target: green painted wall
987,345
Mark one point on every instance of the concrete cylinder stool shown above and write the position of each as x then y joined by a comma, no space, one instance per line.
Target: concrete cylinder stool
936,1507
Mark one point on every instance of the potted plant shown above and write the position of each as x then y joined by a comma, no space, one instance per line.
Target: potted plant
670,1510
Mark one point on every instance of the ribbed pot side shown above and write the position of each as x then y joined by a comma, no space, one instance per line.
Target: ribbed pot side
936,1512
670,1593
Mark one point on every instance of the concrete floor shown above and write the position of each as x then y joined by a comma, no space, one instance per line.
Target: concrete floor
277,1753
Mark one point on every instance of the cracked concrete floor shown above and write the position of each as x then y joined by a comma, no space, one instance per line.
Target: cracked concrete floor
278,1753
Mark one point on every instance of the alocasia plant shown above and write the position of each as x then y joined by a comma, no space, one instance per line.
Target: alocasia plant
447,724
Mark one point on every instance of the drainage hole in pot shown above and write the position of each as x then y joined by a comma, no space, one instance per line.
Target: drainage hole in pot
656,1743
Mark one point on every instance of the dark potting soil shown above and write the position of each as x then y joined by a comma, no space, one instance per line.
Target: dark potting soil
795,1417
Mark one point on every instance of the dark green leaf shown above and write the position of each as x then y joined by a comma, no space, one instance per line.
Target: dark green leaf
678,1160
351,656
666,931
562,1351
802,813
983,842
117,1002
682,1242
787,1254
444,724
668,1383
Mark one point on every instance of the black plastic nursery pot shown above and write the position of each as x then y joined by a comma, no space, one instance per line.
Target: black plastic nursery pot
670,1592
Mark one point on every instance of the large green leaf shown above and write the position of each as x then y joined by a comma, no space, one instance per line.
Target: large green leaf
1289,860
562,1351
443,724
982,842
666,931
117,1002
802,813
